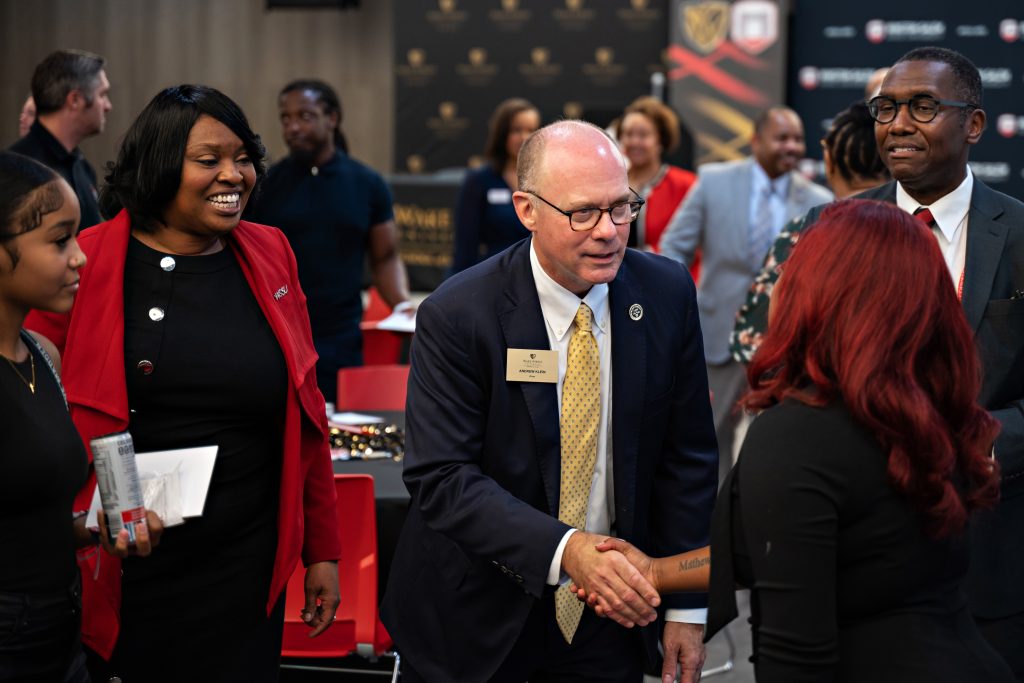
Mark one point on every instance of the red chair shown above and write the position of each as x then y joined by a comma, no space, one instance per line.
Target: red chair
357,629
373,387
380,347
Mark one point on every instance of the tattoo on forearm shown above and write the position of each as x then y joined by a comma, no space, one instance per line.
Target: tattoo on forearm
697,563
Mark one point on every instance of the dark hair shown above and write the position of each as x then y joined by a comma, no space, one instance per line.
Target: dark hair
852,145
867,313
147,173
496,147
765,115
60,73
28,191
326,98
661,115
968,80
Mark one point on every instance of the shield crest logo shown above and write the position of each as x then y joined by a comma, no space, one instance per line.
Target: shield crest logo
755,25
705,23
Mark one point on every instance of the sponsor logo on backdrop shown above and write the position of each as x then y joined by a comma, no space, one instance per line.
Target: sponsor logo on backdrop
840,31
477,71
812,77
1000,77
447,16
425,234
639,16
1010,30
880,31
415,163
447,125
972,31
991,171
574,16
540,70
705,24
1010,125
417,71
572,110
755,25
510,17
604,71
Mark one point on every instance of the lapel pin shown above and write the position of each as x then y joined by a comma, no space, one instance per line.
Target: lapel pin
636,311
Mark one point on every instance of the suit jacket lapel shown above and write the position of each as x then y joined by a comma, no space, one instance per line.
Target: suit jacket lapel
985,241
629,382
94,370
522,324
741,187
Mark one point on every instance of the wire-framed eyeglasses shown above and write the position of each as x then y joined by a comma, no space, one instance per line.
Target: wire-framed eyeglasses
923,108
587,218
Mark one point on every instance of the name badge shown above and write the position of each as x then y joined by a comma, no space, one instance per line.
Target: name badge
499,195
531,365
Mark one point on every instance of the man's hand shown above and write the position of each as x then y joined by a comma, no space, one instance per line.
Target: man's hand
684,645
623,593
644,564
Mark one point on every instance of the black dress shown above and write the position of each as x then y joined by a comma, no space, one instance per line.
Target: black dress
204,368
43,464
845,586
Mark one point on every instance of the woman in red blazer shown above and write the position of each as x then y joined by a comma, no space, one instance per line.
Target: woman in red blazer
190,329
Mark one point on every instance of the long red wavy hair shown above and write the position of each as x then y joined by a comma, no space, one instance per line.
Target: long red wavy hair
866,312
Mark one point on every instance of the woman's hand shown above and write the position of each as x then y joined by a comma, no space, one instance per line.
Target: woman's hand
147,536
644,564
322,596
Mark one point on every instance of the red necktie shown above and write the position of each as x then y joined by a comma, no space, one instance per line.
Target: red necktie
925,216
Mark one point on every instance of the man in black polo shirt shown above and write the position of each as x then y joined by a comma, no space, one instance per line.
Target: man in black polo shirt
72,96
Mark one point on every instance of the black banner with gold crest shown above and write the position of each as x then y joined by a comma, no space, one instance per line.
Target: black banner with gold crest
455,60
726,64
841,44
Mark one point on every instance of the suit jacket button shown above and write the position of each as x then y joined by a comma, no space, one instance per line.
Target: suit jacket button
145,367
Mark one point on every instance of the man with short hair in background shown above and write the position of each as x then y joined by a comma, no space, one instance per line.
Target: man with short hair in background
733,215
72,99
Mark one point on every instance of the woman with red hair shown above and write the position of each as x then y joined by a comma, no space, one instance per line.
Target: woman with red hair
847,511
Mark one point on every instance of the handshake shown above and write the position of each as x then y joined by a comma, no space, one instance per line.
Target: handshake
622,583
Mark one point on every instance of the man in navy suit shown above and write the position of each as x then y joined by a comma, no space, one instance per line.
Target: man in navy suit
472,592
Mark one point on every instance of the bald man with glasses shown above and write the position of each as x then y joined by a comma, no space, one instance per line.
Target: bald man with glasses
557,396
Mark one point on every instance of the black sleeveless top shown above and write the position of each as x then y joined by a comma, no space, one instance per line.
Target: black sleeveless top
44,465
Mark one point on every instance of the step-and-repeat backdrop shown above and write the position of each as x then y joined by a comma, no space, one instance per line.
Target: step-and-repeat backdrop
835,46
723,62
455,60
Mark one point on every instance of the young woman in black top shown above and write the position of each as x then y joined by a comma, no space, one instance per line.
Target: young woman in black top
41,456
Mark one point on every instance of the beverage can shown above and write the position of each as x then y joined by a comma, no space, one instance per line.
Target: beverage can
118,479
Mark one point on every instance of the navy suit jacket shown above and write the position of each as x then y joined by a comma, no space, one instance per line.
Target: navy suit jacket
994,272
483,456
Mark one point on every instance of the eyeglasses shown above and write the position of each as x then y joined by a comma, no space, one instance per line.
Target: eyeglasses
923,108
587,218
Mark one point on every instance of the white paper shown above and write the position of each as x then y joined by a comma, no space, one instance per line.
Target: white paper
398,322
355,419
195,467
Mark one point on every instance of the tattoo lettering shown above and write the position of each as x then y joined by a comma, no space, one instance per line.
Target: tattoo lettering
687,565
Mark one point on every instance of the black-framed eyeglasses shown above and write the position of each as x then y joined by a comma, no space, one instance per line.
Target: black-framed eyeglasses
581,220
923,108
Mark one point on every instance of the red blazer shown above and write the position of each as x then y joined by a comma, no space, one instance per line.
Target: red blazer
663,200
91,341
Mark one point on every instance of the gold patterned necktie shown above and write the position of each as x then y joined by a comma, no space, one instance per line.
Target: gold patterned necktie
581,415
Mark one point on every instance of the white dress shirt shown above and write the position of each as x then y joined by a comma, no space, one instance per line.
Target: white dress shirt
558,307
950,214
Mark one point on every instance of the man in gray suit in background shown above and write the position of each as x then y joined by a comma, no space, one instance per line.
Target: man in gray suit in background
733,215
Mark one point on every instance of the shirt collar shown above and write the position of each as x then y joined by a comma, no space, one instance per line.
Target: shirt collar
558,305
53,144
779,187
948,211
